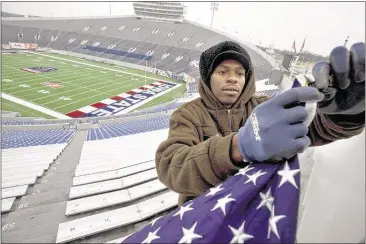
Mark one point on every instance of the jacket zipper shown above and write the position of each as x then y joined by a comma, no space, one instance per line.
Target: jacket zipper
229,112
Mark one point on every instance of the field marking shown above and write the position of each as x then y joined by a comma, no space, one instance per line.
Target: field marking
34,106
36,79
98,94
91,65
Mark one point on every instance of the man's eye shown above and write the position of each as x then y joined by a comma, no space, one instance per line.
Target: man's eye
241,74
221,72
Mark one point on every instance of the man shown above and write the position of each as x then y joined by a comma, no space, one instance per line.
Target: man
212,137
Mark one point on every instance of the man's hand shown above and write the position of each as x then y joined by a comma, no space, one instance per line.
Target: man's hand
342,81
275,129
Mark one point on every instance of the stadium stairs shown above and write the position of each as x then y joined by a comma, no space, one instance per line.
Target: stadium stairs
36,212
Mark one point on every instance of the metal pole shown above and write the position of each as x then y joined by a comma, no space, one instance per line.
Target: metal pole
345,42
213,13
145,71
214,7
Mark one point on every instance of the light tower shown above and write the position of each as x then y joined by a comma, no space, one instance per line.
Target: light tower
345,41
214,7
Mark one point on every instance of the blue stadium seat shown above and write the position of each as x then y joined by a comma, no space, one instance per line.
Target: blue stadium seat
106,131
26,138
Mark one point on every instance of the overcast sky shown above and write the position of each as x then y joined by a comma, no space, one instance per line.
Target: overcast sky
326,24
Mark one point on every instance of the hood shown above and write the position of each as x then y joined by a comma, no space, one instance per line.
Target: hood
211,102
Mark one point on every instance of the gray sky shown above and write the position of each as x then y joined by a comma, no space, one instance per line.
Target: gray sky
326,24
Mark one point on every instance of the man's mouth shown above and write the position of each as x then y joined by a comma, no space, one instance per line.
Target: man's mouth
230,90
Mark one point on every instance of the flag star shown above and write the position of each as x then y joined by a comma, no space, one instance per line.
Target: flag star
239,236
151,236
267,200
253,177
221,203
189,235
272,226
214,190
182,210
153,222
244,170
288,175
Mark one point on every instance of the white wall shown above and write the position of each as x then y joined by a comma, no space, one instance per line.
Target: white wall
335,199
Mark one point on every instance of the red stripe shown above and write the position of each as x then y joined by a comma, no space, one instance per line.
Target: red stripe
117,98
98,105
75,114
131,92
143,88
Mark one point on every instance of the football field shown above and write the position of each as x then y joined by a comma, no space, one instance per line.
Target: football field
67,83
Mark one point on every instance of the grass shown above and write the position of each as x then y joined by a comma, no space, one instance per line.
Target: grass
81,84
24,111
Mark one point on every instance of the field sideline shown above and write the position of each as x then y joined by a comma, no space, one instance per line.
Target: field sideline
77,82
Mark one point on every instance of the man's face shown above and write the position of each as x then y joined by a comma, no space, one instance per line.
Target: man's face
227,81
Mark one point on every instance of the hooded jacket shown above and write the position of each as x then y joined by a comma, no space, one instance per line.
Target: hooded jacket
196,154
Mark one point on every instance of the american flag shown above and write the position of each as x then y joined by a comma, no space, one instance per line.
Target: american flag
259,204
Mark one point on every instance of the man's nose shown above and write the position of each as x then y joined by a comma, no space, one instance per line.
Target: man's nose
232,78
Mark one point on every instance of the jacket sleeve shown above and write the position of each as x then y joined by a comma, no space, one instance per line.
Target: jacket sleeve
325,129
188,166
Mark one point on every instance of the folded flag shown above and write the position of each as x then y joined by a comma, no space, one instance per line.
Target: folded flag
259,204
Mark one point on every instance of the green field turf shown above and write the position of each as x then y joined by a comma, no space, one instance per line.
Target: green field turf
24,111
81,83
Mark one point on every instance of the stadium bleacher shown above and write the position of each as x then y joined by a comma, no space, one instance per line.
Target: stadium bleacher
27,138
128,128
174,47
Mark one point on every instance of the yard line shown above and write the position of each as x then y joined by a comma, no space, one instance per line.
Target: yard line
88,87
68,75
124,72
90,96
108,95
71,84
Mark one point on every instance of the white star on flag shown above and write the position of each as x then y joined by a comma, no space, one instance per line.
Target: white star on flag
153,222
221,203
214,190
267,200
288,175
189,235
245,170
239,235
151,236
272,226
182,210
253,177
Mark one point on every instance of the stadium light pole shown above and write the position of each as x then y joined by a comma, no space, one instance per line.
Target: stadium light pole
345,42
214,7
145,70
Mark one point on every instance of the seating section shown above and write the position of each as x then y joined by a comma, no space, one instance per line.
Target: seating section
103,179
5,121
269,93
192,87
166,46
22,166
106,131
26,138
